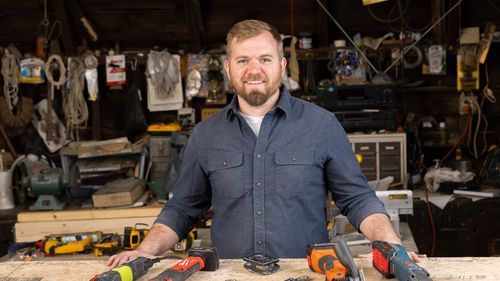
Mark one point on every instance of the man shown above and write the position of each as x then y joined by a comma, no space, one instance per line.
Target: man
265,163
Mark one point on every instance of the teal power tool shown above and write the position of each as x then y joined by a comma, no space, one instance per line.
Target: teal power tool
392,260
129,271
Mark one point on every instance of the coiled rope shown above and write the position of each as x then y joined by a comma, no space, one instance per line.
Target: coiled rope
55,62
10,70
74,104
163,71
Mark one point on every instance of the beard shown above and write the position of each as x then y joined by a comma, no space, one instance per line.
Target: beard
256,97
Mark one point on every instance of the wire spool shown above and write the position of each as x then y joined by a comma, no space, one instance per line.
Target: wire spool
411,52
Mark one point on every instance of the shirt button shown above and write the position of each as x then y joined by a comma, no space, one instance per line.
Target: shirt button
224,163
294,158
259,212
259,156
259,242
259,183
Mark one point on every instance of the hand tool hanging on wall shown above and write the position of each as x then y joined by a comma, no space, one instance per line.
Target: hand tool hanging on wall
77,12
45,33
133,115
91,62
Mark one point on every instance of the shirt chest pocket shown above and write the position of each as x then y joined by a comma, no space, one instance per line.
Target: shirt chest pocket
292,170
225,173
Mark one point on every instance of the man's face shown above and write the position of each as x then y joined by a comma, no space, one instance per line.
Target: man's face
254,68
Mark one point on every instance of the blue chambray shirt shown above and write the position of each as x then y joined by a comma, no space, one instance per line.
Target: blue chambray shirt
268,192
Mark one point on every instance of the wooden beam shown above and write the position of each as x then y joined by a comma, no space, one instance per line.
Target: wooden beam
95,107
452,26
195,22
323,23
436,12
34,231
148,211
67,31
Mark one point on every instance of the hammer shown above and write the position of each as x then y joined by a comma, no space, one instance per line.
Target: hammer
198,259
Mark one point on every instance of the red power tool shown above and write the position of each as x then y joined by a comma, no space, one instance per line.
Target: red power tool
392,260
205,259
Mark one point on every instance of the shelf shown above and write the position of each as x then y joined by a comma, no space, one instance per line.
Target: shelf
428,89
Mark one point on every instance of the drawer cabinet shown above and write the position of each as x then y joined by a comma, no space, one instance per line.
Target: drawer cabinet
159,147
383,155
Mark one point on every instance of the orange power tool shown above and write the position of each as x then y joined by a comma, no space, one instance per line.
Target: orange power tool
198,259
334,259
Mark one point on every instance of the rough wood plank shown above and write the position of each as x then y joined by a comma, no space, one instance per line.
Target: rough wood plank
441,269
147,211
33,231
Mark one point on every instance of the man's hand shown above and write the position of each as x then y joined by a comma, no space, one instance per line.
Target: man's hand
159,239
126,256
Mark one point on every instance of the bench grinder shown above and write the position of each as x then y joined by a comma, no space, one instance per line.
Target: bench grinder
37,177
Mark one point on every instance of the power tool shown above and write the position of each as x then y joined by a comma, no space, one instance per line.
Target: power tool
133,236
205,259
129,271
185,244
392,260
54,247
334,259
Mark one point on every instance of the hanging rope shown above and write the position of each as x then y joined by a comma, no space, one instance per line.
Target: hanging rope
74,105
10,70
163,71
53,63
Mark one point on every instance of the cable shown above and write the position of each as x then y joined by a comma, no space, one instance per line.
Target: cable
490,96
347,36
389,14
464,132
435,14
422,36
494,6
431,220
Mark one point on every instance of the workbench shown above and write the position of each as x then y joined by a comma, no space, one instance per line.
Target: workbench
466,268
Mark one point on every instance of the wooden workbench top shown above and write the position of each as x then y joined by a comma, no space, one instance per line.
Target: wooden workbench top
467,268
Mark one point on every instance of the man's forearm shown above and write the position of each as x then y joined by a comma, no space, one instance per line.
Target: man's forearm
159,239
379,227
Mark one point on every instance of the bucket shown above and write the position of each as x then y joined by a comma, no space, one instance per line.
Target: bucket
6,195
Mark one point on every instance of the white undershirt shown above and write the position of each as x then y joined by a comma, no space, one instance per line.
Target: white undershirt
254,122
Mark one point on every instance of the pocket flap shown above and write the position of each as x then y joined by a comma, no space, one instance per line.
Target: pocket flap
300,157
224,160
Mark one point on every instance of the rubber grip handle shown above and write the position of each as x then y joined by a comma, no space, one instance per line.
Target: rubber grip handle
345,256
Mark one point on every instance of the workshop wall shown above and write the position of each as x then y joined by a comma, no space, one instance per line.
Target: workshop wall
200,25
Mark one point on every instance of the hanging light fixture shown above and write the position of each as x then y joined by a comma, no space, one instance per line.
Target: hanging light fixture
369,2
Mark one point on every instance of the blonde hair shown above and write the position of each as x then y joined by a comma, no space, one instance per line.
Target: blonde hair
251,28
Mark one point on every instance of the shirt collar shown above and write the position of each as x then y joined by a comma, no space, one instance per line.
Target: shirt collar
283,103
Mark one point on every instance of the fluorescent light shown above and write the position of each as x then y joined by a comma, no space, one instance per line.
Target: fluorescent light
369,2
